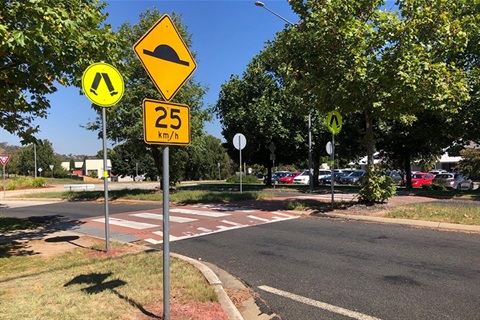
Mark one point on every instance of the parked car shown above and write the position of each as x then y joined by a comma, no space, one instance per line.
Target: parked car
323,173
353,178
303,178
396,176
288,179
452,180
328,179
420,179
276,176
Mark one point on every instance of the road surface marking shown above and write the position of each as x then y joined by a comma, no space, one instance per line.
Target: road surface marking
219,208
128,223
204,229
258,218
199,212
282,214
155,216
160,233
318,304
232,223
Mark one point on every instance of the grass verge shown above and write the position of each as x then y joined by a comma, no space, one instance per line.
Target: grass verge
86,283
438,212
184,196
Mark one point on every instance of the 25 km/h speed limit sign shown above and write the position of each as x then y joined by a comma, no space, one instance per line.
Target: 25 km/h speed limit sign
166,123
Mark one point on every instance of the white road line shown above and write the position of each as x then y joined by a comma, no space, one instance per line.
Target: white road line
319,304
233,223
155,216
199,212
128,223
282,214
204,229
258,218
224,208
160,233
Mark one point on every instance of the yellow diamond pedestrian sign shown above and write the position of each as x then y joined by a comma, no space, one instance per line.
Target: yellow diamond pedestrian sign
165,57
334,122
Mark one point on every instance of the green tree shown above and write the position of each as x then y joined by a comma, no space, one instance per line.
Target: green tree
470,163
257,106
43,153
124,120
43,44
354,56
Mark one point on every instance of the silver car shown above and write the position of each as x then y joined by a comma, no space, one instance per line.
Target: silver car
452,180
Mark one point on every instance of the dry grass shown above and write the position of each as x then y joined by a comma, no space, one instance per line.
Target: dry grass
87,283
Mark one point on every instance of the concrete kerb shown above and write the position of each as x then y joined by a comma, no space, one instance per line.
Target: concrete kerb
408,222
214,281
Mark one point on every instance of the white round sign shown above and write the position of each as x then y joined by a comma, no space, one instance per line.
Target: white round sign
329,147
239,141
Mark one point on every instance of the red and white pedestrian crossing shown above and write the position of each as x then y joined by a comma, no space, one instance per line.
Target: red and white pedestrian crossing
187,221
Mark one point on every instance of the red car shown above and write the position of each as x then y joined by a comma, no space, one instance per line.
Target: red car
421,178
288,179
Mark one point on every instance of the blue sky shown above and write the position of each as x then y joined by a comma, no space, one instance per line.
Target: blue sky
226,35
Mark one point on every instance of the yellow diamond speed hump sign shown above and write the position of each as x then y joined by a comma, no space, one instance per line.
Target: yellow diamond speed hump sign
165,57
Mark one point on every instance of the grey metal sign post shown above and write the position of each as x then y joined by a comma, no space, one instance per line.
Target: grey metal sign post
334,124
239,143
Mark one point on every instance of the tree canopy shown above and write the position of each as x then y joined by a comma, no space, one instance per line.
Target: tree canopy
124,120
43,44
354,56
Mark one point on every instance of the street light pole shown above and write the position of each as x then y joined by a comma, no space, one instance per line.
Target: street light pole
261,4
310,174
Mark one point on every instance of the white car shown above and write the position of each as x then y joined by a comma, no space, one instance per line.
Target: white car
323,174
303,178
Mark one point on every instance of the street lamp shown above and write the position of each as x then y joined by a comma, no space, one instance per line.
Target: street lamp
261,4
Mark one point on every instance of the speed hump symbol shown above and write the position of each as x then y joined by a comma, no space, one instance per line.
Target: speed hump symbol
166,123
334,122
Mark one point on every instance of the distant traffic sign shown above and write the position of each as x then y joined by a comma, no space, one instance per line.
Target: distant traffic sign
166,123
4,158
103,84
165,57
334,122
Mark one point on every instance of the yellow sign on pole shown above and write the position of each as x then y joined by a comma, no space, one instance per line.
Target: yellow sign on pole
166,123
165,57
334,122
103,84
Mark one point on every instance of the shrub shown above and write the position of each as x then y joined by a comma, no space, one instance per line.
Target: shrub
434,186
376,187
38,182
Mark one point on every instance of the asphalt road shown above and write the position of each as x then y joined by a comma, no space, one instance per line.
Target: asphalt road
347,269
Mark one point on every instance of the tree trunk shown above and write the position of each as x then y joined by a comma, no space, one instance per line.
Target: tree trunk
369,140
408,172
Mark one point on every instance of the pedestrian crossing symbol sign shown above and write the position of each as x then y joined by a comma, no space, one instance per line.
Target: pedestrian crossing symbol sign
103,84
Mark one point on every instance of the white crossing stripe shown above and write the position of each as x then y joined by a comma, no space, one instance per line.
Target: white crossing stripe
153,241
282,214
155,216
199,212
160,233
222,208
204,229
233,223
128,223
258,218
319,304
